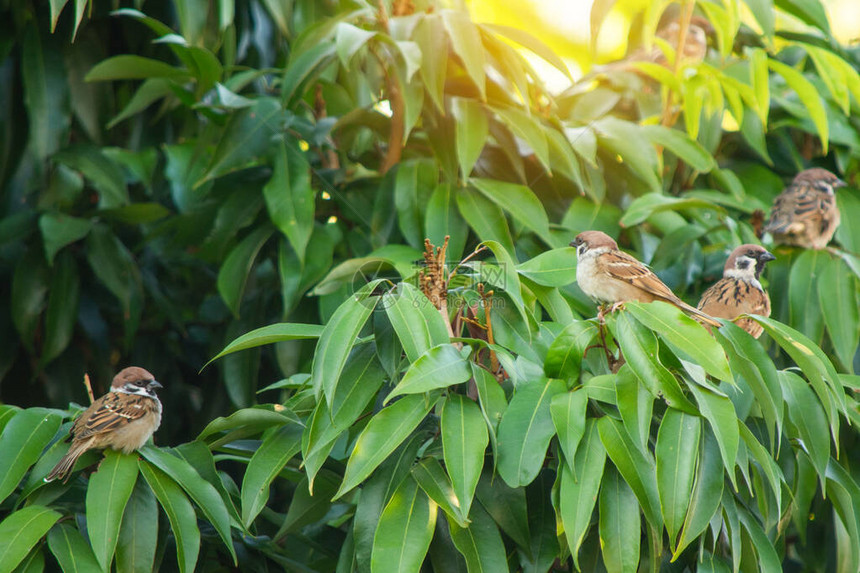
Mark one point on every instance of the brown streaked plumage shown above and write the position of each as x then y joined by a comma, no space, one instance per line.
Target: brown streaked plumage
805,214
609,275
739,291
123,419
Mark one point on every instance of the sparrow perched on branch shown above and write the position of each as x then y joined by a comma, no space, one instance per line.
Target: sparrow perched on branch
606,274
739,291
805,214
123,419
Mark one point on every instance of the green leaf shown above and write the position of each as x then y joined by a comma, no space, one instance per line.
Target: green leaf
848,232
807,416
114,266
265,465
526,429
101,171
201,491
767,463
553,268
436,484
62,312
749,359
568,416
766,554
270,335
682,145
234,272
442,219
685,334
59,230
807,11
493,403
419,325
464,441
46,90
837,296
148,93
21,444
635,404
180,513
480,543
303,65
338,338
808,96
439,367
676,452
639,347
306,507
815,365
21,530
431,37
566,352
72,551
359,382
529,129
290,197
472,129
138,535
707,493
619,524
385,431
636,467
413,186
802,287
466,42
531,43
253,420
764,13
128,67
349,40
625,139
579,487
720,413
507,507
506,278
647,205
107,495
484,217
246,138
404,531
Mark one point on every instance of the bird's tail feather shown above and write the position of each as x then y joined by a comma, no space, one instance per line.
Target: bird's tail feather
65,465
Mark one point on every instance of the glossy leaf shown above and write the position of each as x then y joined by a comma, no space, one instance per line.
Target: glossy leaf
675,453
138,534
338,338
837,297
721,416
265,465
107,496
525,431
233,274
579,487
554,268
519,201
635,467
566,352
21,444
466,43
807,415
202,492
647,205
464,441
436,484
360,380
269,335
802,288
72,551
619,524
21,530
507,507
685,334
568,416
418,323
180,513
385,431
129,67
480,543
471,129
808,96
439,367
59,230
405,530
290,197
442,218
707,492
485,217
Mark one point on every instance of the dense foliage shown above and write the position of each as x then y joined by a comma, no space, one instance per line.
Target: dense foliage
255,181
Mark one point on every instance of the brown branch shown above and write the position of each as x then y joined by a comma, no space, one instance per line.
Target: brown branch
89,388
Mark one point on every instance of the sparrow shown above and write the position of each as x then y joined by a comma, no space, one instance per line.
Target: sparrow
123,419
739,291
606,274
805,214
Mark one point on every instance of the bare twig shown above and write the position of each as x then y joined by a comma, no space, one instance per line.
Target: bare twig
89,388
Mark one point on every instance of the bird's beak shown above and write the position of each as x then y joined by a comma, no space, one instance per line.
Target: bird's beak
766,256
840,183
572,244
155,384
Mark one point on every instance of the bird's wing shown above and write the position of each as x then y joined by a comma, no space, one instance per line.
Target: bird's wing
621,266
109,413
795,208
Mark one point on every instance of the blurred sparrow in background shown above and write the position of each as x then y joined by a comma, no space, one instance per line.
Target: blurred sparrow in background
805,214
